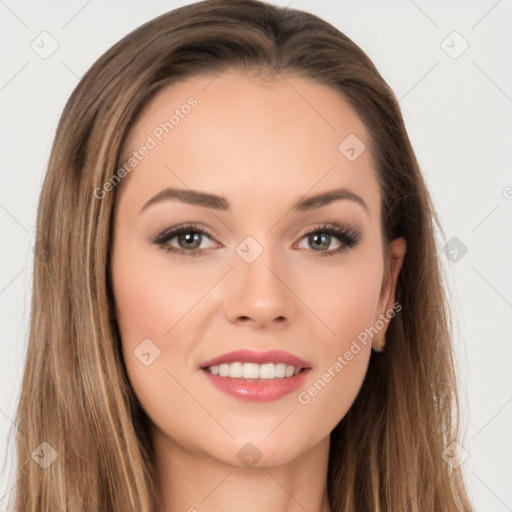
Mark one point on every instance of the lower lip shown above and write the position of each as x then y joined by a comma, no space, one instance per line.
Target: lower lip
257,390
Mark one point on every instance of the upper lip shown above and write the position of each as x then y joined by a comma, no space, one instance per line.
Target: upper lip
258,357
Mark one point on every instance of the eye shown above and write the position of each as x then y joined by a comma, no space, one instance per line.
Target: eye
321,238
188,239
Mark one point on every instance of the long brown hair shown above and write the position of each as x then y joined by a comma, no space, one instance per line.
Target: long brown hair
386,454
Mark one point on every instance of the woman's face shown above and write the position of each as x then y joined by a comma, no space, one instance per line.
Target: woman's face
229,159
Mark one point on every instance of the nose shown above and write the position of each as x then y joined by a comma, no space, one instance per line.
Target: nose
259,293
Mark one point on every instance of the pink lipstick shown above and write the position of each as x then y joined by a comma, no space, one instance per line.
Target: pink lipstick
256,376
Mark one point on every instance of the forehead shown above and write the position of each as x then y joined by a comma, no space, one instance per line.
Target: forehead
281,98
238,130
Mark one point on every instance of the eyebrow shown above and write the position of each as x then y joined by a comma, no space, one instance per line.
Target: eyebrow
215,202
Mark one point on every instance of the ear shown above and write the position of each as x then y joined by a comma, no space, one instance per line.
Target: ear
397,249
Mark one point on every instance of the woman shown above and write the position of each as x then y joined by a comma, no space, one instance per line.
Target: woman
232,217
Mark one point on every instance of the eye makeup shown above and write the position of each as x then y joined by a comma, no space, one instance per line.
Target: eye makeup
193,235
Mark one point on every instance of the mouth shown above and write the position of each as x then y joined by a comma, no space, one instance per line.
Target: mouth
256,376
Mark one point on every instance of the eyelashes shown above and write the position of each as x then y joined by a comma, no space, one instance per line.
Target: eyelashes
345,235
163,239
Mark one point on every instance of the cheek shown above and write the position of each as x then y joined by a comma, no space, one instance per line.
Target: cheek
151,312
149,300
356,303
346,300
348,307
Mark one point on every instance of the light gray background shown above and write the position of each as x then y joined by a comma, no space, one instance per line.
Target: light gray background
458,113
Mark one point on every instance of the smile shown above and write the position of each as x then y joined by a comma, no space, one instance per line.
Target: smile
256,376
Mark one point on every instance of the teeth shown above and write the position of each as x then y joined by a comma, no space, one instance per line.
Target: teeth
280,370
235,370
224,370
268,371
265,371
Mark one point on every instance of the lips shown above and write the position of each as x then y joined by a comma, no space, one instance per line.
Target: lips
256,376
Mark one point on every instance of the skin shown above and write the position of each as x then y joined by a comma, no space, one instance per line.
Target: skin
263,145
